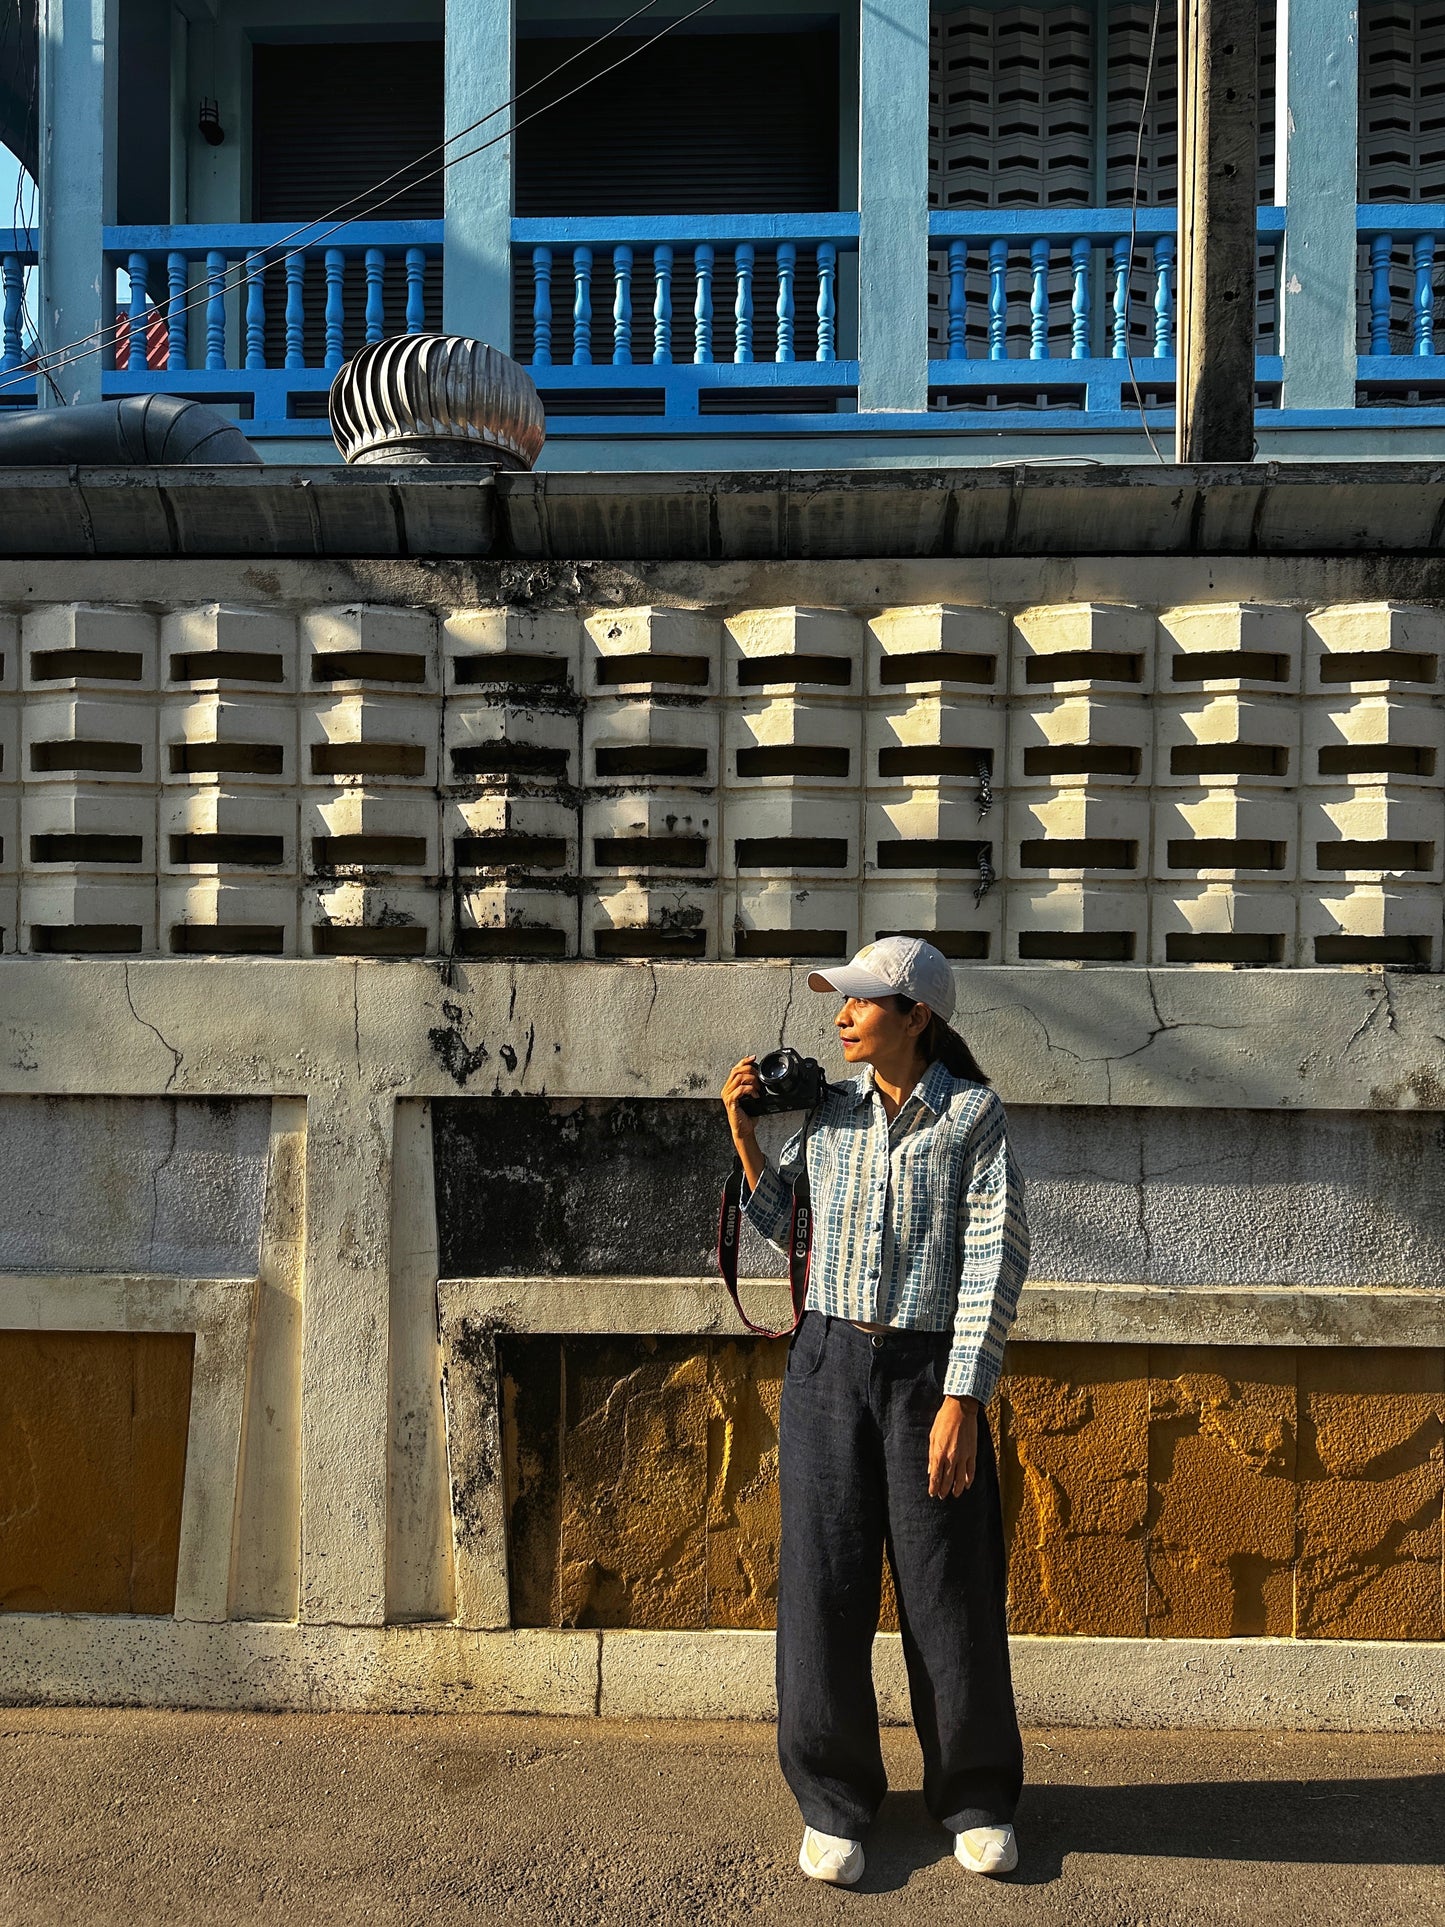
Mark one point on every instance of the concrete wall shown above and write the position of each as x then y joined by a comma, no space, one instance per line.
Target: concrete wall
343,1531
342,1181
1129,762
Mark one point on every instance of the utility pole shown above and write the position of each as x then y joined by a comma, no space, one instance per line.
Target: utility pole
1218,163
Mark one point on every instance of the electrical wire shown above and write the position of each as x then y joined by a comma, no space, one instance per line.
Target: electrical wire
1134,229
98,340
22,220
237,277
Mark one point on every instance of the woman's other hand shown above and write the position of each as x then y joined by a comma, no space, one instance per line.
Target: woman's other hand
953,1448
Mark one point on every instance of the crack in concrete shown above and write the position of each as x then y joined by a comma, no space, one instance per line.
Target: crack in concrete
787,1012
1382,999
177,1055
652,1001
356,1012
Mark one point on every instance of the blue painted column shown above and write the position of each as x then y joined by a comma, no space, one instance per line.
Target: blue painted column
477,265
893,205
1317,117
78,61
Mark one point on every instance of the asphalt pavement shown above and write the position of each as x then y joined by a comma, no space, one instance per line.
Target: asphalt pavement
302,1819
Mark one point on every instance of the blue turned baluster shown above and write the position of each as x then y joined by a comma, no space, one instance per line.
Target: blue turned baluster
743,258
581,307
1425,294
177,330
12,307
622,307
662,305
1121,299
138,268
827,349
1039,301
1380,249
215,309
296,310
335,307
997,300
416,289
702,304
957,300
787,269
542,307
1080,257
375,294
1164,296
255,311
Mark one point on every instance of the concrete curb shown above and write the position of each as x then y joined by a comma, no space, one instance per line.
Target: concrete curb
1300,1685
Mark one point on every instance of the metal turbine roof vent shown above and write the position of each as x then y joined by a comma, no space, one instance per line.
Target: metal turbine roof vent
417,399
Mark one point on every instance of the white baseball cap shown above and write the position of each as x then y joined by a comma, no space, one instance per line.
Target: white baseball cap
894,967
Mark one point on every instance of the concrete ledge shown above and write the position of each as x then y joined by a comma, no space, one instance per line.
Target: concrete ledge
1316,1685
1048,1313
1333,1686
703,515
65,1660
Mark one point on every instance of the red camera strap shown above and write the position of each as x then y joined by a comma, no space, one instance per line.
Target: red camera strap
800,1247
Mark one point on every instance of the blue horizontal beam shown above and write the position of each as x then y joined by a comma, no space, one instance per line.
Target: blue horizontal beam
245,237
1405,366
22,241
1402,218
634,230
992,422
1068,223
718,374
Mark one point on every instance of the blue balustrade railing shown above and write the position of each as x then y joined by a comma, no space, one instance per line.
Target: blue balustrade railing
1401,345
637,326
1047,309
252,316
689,315
17,259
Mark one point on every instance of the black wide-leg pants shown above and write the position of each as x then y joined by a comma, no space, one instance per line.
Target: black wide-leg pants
857,1412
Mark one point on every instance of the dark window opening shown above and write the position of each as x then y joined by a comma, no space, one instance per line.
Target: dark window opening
1225,946
754,945
648,940
1228,759
1224,853
645,670
1076,946
937,665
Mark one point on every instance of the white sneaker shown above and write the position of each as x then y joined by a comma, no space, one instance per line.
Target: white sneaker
987,1850
828,1856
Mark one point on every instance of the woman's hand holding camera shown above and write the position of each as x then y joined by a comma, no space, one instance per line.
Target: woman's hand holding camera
743,1081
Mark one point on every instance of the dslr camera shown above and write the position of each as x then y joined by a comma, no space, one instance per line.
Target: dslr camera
790,1083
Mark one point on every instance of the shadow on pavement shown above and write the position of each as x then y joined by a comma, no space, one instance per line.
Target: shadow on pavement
1367,1822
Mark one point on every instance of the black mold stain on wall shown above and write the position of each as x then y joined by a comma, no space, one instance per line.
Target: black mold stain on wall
628,1187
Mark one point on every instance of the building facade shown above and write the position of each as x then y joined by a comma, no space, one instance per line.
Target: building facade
757,239
394,862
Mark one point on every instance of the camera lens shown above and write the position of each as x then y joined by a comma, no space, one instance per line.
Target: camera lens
778,1071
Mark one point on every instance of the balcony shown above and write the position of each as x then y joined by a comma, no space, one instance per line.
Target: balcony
733,331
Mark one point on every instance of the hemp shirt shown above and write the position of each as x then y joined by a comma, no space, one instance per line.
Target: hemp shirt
919,1223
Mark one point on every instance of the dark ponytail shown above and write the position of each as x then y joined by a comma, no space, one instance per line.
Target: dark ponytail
941,1044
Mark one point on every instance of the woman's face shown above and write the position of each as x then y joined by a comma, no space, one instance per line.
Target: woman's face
871,1031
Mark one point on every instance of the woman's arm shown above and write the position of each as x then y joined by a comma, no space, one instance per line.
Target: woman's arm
993,1239
767,1199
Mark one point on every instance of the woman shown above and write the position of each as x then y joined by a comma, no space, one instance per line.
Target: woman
920,1246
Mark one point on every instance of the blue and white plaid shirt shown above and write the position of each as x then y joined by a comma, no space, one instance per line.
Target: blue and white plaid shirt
919,1223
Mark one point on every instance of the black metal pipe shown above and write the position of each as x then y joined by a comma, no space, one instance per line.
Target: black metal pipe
164,430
